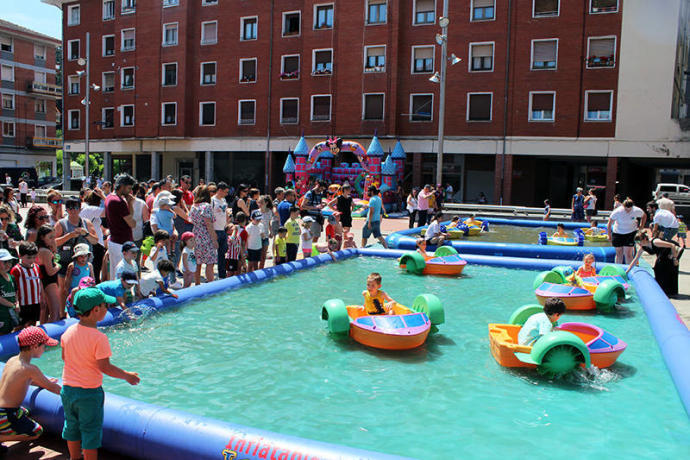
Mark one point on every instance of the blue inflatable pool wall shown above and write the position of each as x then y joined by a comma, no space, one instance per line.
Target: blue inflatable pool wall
147,431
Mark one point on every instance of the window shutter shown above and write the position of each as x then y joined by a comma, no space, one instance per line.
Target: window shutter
482,50
546,6
424,53
542,101
425,5
544,51
373,109
601,47
480,106
376,51
598,102
483,3
247,110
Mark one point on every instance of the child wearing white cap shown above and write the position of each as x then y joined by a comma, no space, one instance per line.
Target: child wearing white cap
9,311
79,268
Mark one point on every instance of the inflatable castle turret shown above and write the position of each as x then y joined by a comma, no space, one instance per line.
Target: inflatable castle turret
324,165
388,175
399,157
289,169
375,154
301,173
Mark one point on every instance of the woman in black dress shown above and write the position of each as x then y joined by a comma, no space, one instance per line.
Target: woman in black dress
343,204
666,263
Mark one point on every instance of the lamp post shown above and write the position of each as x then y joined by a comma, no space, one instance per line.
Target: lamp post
86,63
440,78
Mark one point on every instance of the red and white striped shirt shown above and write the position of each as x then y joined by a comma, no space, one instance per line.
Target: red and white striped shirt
28,281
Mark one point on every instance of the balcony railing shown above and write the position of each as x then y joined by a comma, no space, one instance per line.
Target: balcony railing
601,61
45,88
45,142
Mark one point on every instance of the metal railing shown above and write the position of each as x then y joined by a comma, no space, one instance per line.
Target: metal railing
45,88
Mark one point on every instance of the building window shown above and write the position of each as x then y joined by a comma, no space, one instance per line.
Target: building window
207,113
6,72
40,52
249,28
544,54
208,73
167,3
248,70
108,10
6,44
127,115
8,101
108,82
169,113
127,78
40,77
128,39
73,84
376,12
601,52
209,2
73,117
545,8
483,10
108,45
209,32
73,15
479,106
542,106
375,58
40,131
372,107
323,16
289,67
170,74
291,23
108,117
603,6
598,105
323,62
73,50
170,34
321,107
129,6
422,59
424,11
421,107
7,129
40,106
481,57
289,111
246,112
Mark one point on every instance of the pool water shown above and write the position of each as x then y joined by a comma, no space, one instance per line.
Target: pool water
522,235
261,356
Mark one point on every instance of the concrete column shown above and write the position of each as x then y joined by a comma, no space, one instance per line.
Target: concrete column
417,170
498,164
66,172
505,172
611,177
508,181
155,163
134,165
196,175
107,166
208,163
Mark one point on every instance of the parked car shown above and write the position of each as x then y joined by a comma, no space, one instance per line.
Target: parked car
679,193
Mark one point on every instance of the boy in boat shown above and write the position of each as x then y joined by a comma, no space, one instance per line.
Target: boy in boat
560,232
18,374
541,323
376,301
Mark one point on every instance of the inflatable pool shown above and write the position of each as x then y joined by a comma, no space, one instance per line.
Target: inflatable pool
406,329
568,347
445,261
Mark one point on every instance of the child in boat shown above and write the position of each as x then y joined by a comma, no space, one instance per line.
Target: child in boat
454,222
421,247
587,268
17,375
376,301
560,232
541,323
594,229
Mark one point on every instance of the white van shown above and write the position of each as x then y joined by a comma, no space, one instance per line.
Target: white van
679,193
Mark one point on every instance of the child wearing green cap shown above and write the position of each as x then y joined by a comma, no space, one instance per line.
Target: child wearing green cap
86,353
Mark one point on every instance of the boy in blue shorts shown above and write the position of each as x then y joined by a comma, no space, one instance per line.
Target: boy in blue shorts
86,353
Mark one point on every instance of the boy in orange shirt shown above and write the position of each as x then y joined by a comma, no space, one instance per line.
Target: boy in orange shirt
86,353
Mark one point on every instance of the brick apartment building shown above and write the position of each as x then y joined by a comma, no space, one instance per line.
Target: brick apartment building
549,94
29,93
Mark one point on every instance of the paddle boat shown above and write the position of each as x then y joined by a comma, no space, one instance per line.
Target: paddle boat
600,292
405,329
445,261
577,240
569,346
595,234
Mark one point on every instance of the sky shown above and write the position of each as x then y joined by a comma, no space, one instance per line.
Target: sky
33,14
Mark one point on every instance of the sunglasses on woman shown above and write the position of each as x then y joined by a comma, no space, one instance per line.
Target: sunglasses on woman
56,201
42,217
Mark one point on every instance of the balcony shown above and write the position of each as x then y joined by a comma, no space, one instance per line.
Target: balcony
375,69
289,75
44,142
45,89
601,61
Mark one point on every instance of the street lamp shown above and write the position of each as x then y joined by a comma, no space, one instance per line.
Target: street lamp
440,78
85,62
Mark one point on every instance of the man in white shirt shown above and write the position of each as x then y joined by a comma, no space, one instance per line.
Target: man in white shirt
664,222
666,203
623,219
219,205
23,191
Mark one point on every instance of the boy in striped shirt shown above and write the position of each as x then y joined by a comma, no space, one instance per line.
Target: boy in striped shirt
27,280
